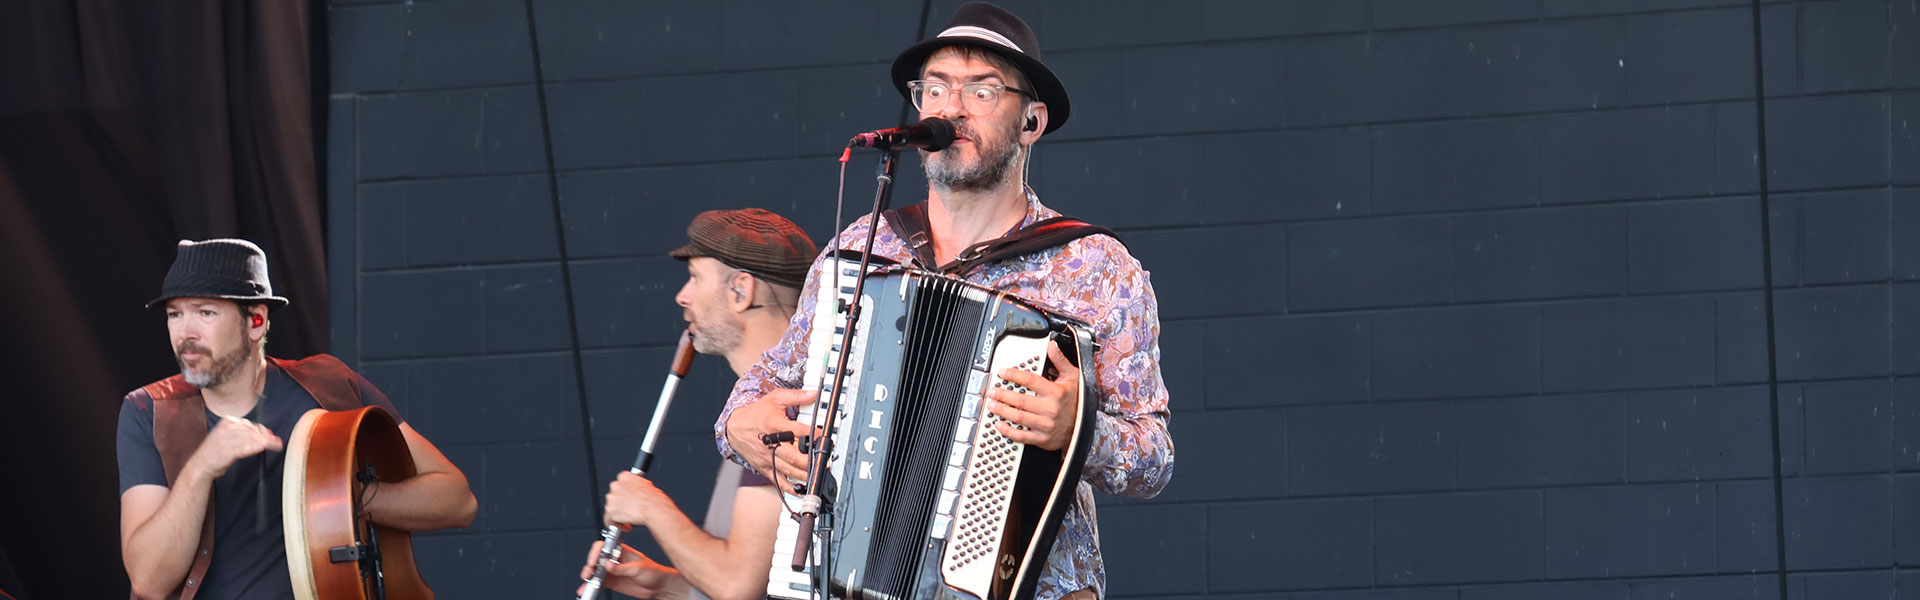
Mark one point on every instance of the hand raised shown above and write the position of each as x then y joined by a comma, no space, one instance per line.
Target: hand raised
633,501
232,439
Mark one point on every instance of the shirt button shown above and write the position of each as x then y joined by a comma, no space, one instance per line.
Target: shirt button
205,552
189,582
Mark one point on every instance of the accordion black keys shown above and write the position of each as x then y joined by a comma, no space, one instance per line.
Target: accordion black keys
926,499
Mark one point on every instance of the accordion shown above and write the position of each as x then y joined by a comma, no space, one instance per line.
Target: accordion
924,498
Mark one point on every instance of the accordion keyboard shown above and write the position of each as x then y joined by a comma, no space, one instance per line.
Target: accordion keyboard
824,346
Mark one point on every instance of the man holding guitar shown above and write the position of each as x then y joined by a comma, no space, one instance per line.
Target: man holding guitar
200,453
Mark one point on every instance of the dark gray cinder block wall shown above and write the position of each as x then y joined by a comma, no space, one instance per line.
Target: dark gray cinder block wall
1463,300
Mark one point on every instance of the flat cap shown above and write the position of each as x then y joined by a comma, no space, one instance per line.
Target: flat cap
752,240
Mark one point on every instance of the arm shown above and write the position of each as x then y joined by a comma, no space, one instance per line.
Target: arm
160,526
760,398
635,575
757,405
436,497
734,567
1132,452
724,568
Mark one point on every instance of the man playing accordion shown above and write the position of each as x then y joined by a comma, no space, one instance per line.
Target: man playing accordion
983,73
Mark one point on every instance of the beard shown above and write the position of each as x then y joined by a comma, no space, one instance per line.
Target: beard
219,368
989,172
717,335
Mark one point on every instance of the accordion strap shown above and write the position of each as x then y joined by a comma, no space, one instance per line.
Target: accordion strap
911,225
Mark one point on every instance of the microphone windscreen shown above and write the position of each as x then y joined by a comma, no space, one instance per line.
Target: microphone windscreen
941,132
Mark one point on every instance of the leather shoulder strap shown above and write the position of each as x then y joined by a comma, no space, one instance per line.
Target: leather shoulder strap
330,382
179,425
909,223
1041,235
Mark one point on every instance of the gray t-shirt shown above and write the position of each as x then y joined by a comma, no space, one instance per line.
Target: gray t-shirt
247,562
726,486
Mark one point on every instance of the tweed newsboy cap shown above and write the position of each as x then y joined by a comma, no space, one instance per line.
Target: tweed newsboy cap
752,240
229,269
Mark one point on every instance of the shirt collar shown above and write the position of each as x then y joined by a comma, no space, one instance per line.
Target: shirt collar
1034,208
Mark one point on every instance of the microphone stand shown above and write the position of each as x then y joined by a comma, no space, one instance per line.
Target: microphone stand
610,537
819,453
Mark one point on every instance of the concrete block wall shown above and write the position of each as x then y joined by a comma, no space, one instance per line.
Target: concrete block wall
1467,300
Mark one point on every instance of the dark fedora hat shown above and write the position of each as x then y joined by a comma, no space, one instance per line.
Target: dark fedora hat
995,30
227,269
753,240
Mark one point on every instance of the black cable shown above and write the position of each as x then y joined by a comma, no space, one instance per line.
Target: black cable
566,271
260,496
373,491
1766,287
773,441
371,483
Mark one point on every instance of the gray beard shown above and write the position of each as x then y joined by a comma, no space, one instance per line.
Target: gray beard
988,174
219,371
717,339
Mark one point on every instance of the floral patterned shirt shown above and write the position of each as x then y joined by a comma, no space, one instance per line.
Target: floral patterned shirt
1093,279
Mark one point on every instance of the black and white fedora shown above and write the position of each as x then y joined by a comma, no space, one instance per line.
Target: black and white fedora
994,29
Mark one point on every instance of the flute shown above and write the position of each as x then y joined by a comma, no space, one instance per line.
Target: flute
610,537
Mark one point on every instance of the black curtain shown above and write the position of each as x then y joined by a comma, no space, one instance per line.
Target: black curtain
125,126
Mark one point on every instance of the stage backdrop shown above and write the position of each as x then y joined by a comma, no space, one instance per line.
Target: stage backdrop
124,127
1505,299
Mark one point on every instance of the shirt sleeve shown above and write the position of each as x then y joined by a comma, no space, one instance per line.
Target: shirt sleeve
782,365
779,367
139,459
748,478
1132,453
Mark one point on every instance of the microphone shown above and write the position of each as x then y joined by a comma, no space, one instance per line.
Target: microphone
932,134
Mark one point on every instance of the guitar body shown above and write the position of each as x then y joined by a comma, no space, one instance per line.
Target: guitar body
329,539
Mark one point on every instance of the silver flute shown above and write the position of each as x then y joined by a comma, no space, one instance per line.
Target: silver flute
610,537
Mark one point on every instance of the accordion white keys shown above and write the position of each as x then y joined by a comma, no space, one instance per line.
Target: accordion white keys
926,499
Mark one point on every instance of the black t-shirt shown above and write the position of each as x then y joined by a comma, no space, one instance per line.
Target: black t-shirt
247,563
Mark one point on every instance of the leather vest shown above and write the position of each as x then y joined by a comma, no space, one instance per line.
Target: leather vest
180,424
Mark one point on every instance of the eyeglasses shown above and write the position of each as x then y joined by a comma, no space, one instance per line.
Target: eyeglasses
979,98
